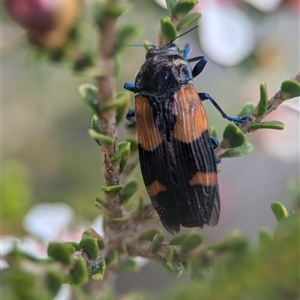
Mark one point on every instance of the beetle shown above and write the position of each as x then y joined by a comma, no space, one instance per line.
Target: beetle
176,152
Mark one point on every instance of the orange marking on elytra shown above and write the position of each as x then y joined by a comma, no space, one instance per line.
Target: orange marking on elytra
191,119
155,187
148,136
204,179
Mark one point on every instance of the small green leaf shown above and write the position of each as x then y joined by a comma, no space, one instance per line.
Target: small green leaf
89,94
100,203
104,10
177,240
171,257
213,132
122,100
171,6
79,273
128,265
95,125
149,234
91,233
261,108
101,138
279,211
90,247
167,28
73,244
188,19
133,145
175,269
247,109
112,188
235,242
233,137
267,125
128,191
290,89
120,221
156,242
265,236
127,34
61,252
111,258
97,269
191,241
246,148
122,110
184,7
123,150
54,281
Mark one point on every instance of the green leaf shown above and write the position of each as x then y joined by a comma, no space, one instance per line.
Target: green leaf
112,188
213,132
126,35
97,269
171,6
149,234
101,204
133,145
265,236
246,148
120,221
279,211
122,110
235,242
95,125
261,108
79,273
188,19
290,89
111,258
167,29
184,7
267,125
128,191
91,233
123,151
90,246
104,10
175,269
233,137
191,241
121,101
247,109
156,242
61,252
101,138
177,240
128,265
89,94
54,281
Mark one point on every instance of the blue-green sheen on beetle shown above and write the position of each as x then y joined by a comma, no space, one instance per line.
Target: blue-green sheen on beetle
176,153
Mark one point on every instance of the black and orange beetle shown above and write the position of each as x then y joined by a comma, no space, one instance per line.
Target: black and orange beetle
176,153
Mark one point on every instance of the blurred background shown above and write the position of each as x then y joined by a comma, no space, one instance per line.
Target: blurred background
48,156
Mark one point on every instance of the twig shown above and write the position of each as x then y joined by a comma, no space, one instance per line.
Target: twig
273,103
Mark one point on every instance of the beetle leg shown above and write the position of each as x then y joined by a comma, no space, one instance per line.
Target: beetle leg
198,68
186,51
214,142
206,96
131,118
130,86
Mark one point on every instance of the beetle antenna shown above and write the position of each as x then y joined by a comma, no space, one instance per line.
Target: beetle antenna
183,34
141,45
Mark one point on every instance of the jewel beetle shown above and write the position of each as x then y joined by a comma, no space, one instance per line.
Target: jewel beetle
176,152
